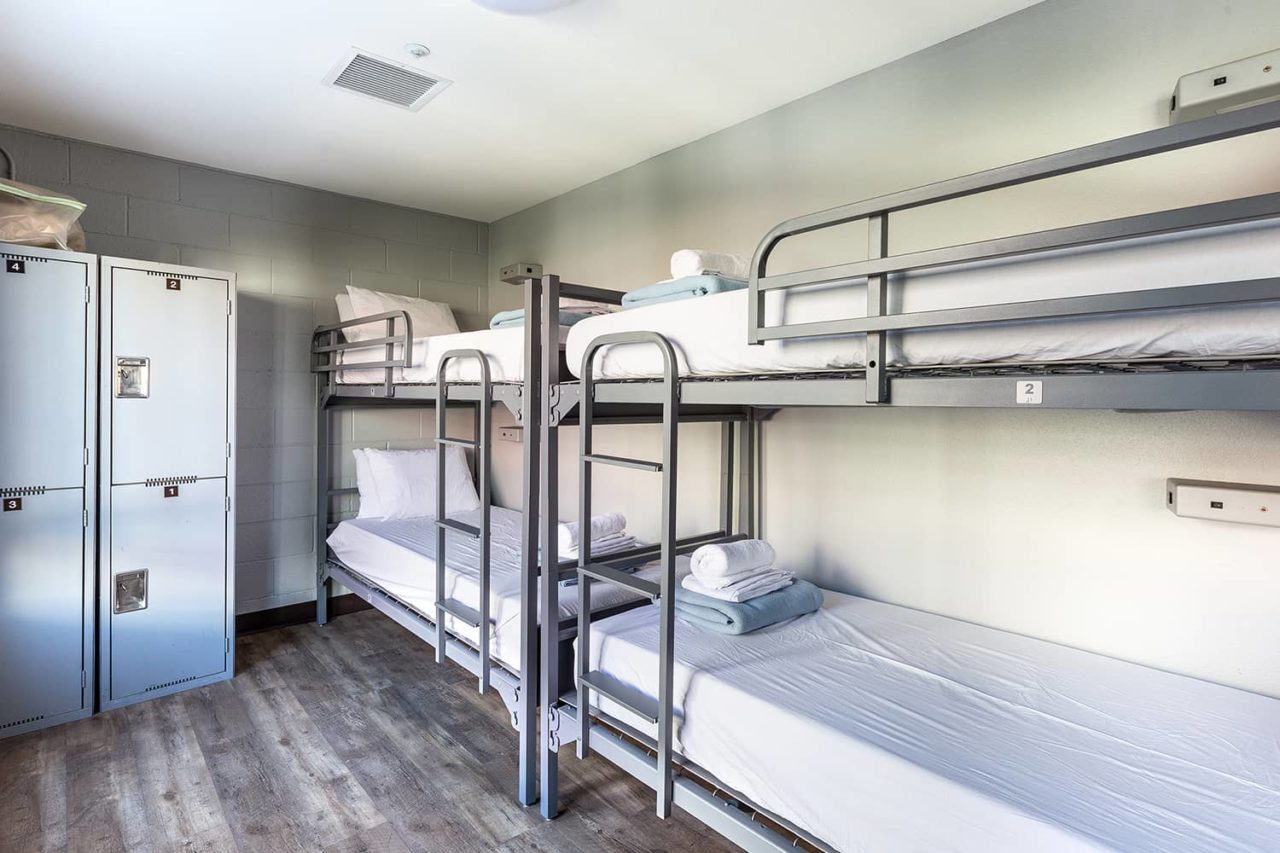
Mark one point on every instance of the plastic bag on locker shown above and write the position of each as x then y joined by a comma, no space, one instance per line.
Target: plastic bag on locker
31,216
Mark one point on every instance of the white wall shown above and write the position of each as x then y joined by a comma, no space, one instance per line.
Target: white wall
1046,523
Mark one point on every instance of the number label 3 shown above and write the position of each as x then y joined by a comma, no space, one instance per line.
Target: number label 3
1030,393
12,504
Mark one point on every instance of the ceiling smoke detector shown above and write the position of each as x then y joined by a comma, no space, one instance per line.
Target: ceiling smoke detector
384,80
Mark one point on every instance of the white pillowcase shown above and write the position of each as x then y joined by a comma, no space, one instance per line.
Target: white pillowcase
402,483
428,318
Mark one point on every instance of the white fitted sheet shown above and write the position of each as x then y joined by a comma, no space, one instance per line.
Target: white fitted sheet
503,347
710,333
880,728
399,556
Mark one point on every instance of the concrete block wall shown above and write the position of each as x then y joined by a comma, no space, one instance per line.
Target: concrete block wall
293,249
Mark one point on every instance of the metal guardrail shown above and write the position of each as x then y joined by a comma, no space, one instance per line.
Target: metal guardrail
880,266
326,348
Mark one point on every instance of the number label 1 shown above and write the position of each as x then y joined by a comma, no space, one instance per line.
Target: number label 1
1030,392
170,491
12,504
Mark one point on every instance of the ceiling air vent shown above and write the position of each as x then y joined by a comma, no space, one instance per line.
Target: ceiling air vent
385,80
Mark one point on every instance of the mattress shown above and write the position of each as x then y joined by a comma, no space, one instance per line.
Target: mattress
880,728
709,334
503,347
399,556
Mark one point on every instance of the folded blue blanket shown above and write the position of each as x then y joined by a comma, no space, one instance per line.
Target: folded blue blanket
743,617
681,288
515,317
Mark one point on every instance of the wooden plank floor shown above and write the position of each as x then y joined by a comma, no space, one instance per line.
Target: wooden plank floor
344,738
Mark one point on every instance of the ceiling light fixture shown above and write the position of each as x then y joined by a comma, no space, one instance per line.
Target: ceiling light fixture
521,7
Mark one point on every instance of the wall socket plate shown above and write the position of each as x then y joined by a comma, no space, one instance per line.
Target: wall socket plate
511,433
1241,503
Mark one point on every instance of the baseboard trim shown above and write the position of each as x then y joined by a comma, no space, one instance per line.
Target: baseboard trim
297,614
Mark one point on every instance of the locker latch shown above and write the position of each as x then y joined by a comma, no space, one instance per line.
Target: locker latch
130,591
133,377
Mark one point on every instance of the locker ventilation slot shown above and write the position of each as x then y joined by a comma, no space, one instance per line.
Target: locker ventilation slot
187,276
24,258
21,491
170,481
171,683
21,722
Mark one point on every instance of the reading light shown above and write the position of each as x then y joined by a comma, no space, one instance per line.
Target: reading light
521,7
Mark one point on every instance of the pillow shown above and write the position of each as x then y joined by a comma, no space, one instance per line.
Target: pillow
429,318
370,504
343,301
405,482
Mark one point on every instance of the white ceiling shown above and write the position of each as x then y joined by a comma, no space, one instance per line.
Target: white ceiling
541,104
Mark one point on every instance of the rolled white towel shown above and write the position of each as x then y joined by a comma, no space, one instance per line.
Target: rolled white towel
608,524
752,586
719,565
686,262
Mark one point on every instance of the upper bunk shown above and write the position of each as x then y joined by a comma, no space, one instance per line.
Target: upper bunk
1176,309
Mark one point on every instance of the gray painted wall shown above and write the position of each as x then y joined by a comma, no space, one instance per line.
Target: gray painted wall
1045,523
293,248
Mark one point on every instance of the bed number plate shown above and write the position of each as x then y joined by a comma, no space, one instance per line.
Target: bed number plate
1030,393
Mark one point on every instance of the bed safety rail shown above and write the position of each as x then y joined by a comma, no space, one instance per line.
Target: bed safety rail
327,348
657,712
475,618
879,266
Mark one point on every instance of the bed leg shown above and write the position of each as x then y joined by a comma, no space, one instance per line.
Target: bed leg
324,586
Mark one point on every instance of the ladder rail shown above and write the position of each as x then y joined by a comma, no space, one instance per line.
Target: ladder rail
666,597
483,441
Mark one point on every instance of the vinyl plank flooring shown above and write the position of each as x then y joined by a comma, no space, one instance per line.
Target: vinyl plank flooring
344,739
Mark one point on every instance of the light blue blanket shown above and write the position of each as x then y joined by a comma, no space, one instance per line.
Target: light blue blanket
515,317
689,287
743,617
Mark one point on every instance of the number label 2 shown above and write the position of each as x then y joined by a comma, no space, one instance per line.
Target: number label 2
1030,392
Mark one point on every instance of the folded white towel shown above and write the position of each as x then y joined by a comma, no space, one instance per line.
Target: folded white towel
608,524
686,262
719,565
752,586
605,545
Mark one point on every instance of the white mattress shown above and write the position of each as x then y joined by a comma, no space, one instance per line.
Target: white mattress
710,333
399,557
879,728
504,348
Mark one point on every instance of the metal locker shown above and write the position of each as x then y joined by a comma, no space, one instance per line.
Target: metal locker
166,542
48,414
168,358
167,597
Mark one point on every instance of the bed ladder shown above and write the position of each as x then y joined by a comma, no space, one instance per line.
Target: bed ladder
445,607
656,712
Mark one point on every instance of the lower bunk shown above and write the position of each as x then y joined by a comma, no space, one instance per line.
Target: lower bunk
868,726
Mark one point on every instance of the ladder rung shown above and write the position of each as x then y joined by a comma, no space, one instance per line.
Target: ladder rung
460,442
624,694
623,462
458,610
459,527
608,574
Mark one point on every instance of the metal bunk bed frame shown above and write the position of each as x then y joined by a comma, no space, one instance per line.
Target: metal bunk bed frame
1138,384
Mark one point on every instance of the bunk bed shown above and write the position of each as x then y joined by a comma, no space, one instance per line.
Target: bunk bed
445,577
1175,309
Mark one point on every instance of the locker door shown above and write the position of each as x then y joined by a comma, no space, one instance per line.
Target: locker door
41,605
42,386
180,542
175,424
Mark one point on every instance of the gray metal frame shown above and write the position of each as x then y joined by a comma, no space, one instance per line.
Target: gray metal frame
1143,384
89,544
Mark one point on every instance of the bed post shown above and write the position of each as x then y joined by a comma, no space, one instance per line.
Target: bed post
323,583
877,305
548,439
747,500
530,416
726,477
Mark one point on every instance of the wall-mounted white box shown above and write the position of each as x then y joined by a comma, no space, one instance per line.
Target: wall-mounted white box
1241,503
